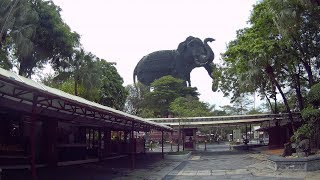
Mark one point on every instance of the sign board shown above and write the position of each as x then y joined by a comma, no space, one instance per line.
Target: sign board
236,135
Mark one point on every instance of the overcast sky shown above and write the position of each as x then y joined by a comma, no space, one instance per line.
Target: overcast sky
123,31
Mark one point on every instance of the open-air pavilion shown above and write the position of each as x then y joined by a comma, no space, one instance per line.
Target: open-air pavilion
43,126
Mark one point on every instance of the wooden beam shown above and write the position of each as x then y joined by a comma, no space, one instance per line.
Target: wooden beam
32,137
132,147
162,140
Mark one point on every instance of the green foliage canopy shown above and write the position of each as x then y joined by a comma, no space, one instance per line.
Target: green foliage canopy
32,34
112,93
95,80
135,98
164,91
190,107
280,49
311,118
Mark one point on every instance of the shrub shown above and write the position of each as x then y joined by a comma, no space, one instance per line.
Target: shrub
313,96
304,132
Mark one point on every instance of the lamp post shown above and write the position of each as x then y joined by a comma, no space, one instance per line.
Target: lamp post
205,145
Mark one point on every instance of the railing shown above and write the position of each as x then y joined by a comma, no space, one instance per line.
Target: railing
203,120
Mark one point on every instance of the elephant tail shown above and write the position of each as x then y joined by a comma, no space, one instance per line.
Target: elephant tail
134,75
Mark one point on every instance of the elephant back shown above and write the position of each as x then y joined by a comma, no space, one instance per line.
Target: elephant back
155,65
157,61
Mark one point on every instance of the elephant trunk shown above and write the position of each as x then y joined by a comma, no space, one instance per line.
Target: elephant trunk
210,54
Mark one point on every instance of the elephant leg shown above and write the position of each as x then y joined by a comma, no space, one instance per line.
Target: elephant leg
187,79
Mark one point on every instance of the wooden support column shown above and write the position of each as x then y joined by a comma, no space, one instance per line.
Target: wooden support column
246,131
32,137
250,131
50,127
178,140
126,142
162,154
93,138
144,145
132,147
99,144
89,139
107,141
183,140
246,140
179,136
125,137
194,137
171,141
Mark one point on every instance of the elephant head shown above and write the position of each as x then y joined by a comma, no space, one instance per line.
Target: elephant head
193,49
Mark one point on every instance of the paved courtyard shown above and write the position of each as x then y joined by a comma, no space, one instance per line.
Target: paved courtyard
218,162
229,165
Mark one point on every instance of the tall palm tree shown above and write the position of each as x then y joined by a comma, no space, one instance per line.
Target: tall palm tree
80,67
7,10
17,20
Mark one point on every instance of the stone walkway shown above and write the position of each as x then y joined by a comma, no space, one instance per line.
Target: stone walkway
221,163
154,172
215,164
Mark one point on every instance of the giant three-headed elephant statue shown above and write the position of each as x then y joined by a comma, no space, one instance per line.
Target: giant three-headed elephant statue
179,63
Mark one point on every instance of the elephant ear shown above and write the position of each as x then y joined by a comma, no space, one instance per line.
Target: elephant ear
183,45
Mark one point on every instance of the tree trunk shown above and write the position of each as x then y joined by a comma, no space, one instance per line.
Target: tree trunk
304,61
297,86
309,72
1,39
270,73
22,69
26,66
269,102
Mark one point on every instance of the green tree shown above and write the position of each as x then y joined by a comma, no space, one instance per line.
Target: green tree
32,34
229,110
268,54
93,79
112,93
311,118
241,104
163,92
81,68
298,22
217,112
17,26
67,85
135,99
54,41
190,107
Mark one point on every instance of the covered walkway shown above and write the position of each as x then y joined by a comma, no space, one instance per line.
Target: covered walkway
43,126
277,126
